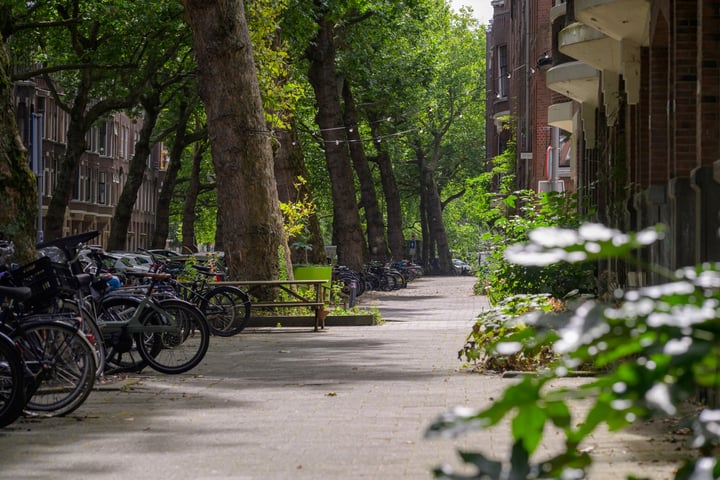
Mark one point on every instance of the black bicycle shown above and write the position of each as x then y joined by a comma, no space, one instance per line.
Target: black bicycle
227,308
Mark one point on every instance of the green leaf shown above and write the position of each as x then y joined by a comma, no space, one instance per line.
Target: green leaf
558,412
528,426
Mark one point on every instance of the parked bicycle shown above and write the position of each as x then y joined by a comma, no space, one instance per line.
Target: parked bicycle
227,308
58,363
138,328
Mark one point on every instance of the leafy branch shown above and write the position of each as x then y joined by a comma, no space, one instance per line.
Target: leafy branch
653,348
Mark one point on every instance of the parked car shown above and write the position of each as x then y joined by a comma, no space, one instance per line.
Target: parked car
123,261
170,254
461,267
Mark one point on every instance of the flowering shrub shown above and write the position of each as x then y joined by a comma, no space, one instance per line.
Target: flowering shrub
658,345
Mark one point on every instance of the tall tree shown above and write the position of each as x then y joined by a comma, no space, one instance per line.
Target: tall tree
323,77
375,227
289,170
240,140
181,112
190,199
136,174
18,192
391,192
96,61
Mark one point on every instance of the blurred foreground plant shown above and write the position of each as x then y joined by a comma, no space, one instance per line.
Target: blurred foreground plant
659,345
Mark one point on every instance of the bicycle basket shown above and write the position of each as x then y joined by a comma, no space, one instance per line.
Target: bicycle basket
46,279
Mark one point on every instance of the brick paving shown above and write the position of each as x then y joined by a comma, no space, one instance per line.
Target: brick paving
286,403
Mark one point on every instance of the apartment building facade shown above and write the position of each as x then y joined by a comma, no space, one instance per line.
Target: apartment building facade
103,166
519,43
634,87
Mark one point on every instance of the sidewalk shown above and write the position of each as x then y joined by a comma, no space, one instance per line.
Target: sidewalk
347,402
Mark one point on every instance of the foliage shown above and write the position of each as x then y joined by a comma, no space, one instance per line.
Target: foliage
279,92
504,168
501,327
346,312
659,342
511,219
295,217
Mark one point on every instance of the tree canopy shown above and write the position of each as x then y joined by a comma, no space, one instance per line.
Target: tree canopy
382,102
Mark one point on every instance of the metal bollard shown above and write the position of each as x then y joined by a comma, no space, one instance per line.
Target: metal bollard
353,289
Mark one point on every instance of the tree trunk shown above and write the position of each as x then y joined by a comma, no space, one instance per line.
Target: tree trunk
219,246
377,244
435,244
68,171
393,206
436,227
240,141
323,78
189,216
162,215
18,189
289,165
138,166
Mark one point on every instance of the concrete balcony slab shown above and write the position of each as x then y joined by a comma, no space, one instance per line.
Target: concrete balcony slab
619,19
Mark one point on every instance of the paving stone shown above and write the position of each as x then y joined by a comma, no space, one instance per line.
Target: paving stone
284,403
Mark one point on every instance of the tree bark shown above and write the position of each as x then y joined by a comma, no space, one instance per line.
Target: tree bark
138,166
393,206
162,215
435,240
240,141
18,189
289,165
323,78
67,173
189,216
377,244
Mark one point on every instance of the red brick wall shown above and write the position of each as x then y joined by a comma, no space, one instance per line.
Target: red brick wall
658,160
682,126
540,95
708,100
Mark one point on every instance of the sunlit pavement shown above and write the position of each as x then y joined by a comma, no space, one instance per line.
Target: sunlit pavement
283,403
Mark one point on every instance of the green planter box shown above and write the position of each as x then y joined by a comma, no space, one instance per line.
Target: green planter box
313,272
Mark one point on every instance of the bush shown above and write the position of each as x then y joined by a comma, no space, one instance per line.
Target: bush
515,216
659,345
499,340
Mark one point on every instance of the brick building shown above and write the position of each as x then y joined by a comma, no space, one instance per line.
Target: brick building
634,88
519,104
103,167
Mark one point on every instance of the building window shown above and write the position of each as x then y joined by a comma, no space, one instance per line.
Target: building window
76,186
101,188
502,72
88,184
102,138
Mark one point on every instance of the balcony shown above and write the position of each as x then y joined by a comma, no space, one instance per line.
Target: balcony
618,19
607,54
580,82
558,10
576,80
590,46
560,115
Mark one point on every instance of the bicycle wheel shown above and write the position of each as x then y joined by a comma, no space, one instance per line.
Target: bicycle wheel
227,310
12,383
62,363
91,330
121,353
185,343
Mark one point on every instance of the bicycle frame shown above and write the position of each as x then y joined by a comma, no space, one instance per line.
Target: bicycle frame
145,303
